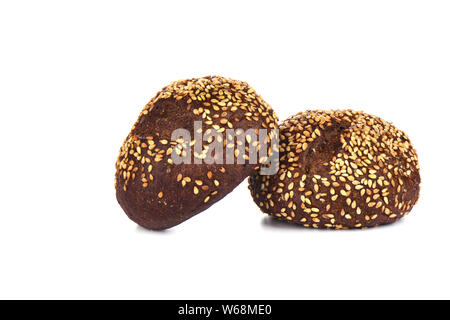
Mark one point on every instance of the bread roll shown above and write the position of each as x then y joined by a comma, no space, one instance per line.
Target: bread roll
340,169
158,193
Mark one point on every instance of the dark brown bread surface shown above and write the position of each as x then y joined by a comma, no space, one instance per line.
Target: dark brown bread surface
158,194
340,169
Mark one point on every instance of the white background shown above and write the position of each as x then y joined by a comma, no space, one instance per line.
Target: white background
74,76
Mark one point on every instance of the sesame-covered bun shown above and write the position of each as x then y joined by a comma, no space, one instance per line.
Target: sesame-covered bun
153,190
340,169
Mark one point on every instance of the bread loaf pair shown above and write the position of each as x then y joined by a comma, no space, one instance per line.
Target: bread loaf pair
336,169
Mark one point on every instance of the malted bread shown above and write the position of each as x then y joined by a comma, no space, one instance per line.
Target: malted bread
340,169
158,193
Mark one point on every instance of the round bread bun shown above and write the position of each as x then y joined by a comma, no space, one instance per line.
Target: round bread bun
340,169
157,193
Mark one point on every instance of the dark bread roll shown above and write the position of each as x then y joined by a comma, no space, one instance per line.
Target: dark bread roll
340,169
155,192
